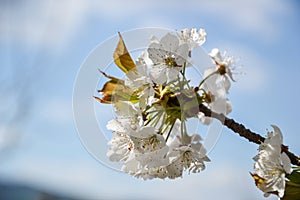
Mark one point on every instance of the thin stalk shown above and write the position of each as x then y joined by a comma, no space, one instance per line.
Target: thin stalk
207,78
161,126
169,133
153,117
181,129
165,128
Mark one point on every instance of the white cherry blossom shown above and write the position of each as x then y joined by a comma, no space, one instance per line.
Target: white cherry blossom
119,147
148,154
225,64
272,165
215,97
186,154
193,37
168,57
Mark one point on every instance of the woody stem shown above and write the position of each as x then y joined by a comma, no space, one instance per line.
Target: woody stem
244,132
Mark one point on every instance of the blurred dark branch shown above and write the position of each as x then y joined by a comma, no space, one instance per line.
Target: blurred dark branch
244,132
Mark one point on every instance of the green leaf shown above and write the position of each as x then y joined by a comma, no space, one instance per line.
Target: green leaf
292,192
292,189
294,176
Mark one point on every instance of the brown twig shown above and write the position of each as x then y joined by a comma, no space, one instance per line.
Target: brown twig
244,132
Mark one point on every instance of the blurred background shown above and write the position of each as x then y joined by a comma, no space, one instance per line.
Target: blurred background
44,43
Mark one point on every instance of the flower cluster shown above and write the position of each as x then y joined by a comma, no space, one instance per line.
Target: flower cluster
272,165
145,152
155,100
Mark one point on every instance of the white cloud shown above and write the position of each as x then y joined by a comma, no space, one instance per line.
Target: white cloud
256,17
52,23
47,23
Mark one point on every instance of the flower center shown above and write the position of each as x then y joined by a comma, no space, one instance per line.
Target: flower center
170,61
151,143
187,158
208,97
222,69
130,147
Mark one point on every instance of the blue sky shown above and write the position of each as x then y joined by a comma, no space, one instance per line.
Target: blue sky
43,45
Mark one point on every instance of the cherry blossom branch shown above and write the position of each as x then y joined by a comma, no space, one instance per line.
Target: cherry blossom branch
244,132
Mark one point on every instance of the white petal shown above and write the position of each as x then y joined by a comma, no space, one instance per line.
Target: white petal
172,74
125,109
209,71
158,74
156,53
277,131
114,125
170,42
228,107
216,55
182,54
154,39
144,132
204,120
154,158
286,162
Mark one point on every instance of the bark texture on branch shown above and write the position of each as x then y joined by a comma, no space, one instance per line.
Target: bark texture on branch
244,132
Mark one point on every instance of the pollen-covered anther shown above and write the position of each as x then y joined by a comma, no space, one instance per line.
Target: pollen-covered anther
221,68
130,147
208,97
170,61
